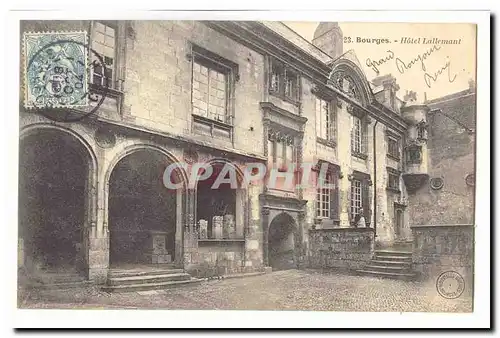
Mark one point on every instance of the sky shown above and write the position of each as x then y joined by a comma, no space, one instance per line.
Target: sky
457,63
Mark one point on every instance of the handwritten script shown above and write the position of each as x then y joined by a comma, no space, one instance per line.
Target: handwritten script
429,79
404,65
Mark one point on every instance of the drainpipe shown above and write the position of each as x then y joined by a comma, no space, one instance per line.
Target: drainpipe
375,178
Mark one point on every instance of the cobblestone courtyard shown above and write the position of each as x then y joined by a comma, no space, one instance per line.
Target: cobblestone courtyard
281,290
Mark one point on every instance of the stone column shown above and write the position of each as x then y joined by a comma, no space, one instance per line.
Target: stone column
265,237
190,241
253,233
97,230
301,241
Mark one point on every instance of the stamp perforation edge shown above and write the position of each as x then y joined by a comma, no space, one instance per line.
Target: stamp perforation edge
24,83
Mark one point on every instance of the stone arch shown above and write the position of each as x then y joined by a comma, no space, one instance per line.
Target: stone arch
344,67
282,238
88,216
175,248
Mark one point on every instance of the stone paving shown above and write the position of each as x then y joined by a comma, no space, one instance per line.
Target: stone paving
281,290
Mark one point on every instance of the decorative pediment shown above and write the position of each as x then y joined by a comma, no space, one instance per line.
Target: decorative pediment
282,119
345,83
332,167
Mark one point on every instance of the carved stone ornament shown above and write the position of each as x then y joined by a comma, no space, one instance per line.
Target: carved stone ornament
190,155
345,83
470,180
104,137
436,183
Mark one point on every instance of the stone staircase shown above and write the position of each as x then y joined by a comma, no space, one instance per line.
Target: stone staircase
390,264
53,280
127,280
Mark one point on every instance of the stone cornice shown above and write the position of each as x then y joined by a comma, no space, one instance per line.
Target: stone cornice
268,200
178,140
269,109
267,42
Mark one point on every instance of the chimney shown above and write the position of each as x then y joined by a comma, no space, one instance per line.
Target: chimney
388,82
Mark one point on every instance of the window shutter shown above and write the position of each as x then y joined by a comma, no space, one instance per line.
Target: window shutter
366,200
334,198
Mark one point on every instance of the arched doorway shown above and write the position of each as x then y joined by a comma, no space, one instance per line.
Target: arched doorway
219,206
143,214
54,173
281,242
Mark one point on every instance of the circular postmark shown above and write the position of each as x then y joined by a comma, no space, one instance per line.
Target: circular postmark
450,284
58,77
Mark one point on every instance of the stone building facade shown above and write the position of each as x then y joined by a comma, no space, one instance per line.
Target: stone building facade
217,93
448,198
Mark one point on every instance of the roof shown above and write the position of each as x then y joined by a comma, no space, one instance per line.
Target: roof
298,40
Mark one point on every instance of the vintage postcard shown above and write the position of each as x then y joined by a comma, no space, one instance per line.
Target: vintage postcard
247,165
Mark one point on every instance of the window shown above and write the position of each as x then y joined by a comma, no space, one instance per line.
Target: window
280,149
283,81
360,196
358,137
212,89
323,197
209,92
414,154
327,120
356,197
291,87
392,179
393,147
104,44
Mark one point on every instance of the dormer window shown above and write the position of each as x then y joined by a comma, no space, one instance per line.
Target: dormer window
283,81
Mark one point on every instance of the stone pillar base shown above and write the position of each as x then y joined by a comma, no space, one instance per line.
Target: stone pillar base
98,275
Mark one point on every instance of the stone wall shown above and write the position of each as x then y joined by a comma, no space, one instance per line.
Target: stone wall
451,158
346,248
441,248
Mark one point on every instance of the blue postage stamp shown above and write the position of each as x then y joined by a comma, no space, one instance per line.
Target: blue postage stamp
56,70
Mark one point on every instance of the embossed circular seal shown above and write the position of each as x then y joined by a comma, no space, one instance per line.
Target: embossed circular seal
58,74
450,285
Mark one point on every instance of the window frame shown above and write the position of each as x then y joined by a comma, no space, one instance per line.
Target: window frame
283,73
327,136
217,63
112,83
363,137
364,195
354,207
390,152
409,150
279,144
324,197
396,176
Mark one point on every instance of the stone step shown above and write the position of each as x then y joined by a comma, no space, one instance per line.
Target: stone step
117,273
393,275
145,279
393,258
151,286
405,263
383,268
393,253
65,285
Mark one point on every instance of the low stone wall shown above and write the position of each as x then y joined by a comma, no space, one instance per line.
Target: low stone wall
208,258
441,248
345,248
